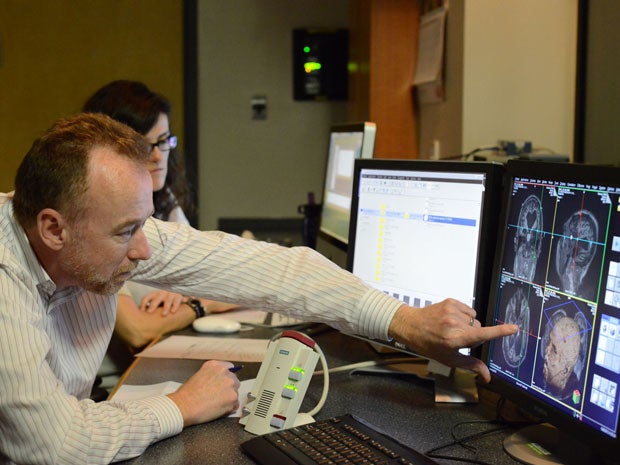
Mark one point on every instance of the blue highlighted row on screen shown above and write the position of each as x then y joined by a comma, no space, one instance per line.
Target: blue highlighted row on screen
420,217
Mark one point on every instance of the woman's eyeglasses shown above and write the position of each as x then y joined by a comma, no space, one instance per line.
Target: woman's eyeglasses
166,144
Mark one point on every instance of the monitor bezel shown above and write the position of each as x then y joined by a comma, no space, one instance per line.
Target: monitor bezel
490,215
368,130
569,172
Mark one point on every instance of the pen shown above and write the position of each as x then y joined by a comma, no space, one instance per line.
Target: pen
235,369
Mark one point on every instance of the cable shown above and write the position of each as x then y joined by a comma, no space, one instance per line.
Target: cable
471,437
373,363
494,148
459,459
323,398
500,420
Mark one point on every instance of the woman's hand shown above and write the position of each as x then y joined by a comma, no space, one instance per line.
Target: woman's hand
169,302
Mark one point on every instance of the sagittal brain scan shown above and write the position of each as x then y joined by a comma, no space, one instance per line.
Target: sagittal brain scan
576,249
528,238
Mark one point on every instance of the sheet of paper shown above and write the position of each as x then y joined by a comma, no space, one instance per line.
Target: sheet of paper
133,392
430,47
259,318
244,315
208,348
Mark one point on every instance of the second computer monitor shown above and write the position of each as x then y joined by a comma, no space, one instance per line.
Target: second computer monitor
423,231
347,143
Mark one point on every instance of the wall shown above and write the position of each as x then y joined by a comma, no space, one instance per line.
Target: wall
383,50
602,114
53,55
514,79
263,168
443,121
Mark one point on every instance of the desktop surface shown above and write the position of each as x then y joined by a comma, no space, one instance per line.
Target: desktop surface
402,406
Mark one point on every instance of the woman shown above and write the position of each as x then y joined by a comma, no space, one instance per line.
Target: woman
145,313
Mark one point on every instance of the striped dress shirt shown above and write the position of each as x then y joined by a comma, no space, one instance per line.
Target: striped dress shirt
52,340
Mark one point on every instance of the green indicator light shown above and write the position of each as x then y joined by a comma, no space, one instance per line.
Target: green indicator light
310,66
298,370
291,387
306,49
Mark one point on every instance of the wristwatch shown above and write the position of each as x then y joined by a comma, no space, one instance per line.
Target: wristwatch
196,306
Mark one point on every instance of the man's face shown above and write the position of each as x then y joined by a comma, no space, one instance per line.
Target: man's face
106,242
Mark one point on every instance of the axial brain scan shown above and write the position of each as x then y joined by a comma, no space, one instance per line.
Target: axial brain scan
575,249
514,347
528,238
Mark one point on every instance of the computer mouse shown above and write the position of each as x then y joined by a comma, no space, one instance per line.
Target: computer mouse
216,325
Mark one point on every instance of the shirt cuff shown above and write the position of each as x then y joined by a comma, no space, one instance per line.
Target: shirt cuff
377,312
167,413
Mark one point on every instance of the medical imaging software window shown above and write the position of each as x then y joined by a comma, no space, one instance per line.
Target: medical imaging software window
560,282
417,234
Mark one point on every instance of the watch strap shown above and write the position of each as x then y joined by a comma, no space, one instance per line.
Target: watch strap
196,306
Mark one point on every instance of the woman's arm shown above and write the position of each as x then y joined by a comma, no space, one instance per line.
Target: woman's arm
138,328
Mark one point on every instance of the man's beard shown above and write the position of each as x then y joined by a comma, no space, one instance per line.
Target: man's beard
87,277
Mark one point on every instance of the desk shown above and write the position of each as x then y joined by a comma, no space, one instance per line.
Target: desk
401,406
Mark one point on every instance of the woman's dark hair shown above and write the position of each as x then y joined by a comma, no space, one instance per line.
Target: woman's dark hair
134,104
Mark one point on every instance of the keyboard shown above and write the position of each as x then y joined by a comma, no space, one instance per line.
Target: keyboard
340,440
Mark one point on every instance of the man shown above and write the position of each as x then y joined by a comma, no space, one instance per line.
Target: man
77,227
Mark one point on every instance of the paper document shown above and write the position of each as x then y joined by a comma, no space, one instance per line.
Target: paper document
429,67
430,47
208,348
244,315
260,318
134,392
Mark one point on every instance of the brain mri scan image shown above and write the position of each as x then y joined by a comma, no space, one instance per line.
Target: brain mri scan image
564,348
514,347
528,238
576,249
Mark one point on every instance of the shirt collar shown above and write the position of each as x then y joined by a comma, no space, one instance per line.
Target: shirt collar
44,283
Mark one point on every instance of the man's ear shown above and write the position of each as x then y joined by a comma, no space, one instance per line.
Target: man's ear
51,228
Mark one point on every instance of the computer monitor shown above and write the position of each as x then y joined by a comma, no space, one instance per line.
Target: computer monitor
347,143
423,231
558,277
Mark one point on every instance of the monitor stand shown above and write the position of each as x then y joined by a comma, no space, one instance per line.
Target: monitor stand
543,444
452,385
